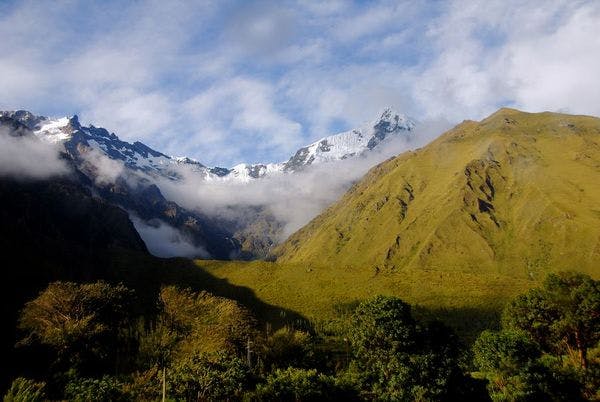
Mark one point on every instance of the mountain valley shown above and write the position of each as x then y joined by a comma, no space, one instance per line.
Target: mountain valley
465,223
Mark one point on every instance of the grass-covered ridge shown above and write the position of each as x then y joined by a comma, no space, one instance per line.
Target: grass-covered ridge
514,194
461,225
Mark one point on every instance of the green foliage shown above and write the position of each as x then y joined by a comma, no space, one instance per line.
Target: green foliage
398,360
208,377
106,388
512,364
563,316
383,324
507,360
204,322
195,338
288,347
300,385
158,344
25,390
144,385
504,352
525,361
82,322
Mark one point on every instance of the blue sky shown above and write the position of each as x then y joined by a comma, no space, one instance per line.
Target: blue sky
227,82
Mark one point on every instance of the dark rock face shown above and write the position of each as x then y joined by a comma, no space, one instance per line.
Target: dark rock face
254,170
297,161
146,200
131,191
23,117
387,125
14,128
219,171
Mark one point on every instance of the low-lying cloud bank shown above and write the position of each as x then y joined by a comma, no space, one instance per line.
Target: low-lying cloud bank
163,240
25,157
294,199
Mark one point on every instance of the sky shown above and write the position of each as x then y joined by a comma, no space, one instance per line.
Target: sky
227,82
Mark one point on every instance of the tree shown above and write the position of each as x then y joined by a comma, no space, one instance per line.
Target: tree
505,358
191,324
562,316
206,323
209,377
300,385
512,363
83,322
383,324
395,358
288,347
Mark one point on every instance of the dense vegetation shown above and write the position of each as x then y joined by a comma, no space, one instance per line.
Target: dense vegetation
197,346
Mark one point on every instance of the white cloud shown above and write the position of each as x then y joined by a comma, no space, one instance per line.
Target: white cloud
536,56
351,94
240,105
559,71
163,240
27,157
135,115
227,82
100,167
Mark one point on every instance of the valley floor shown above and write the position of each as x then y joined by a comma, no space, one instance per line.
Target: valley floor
468,302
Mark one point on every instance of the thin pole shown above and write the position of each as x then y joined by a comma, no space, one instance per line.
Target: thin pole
164,384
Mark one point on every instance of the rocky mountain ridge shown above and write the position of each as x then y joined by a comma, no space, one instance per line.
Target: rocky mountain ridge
132,176
140,157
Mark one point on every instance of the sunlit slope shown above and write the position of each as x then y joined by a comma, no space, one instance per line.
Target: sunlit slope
516,194
468,302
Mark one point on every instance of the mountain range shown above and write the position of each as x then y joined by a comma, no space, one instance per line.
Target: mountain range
138,156
129,175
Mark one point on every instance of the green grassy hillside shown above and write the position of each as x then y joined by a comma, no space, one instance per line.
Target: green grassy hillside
457,227
515,194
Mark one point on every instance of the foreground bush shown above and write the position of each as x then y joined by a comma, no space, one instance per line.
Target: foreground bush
542,351
300,385
398,359
25,390
106,388
209,377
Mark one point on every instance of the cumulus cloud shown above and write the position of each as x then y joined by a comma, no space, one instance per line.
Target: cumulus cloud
228,82
525,55
27,157
240,105
163,240
559,71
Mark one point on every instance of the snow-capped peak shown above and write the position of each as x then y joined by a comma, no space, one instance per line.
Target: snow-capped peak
395,120
76,139
353,142
53,130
